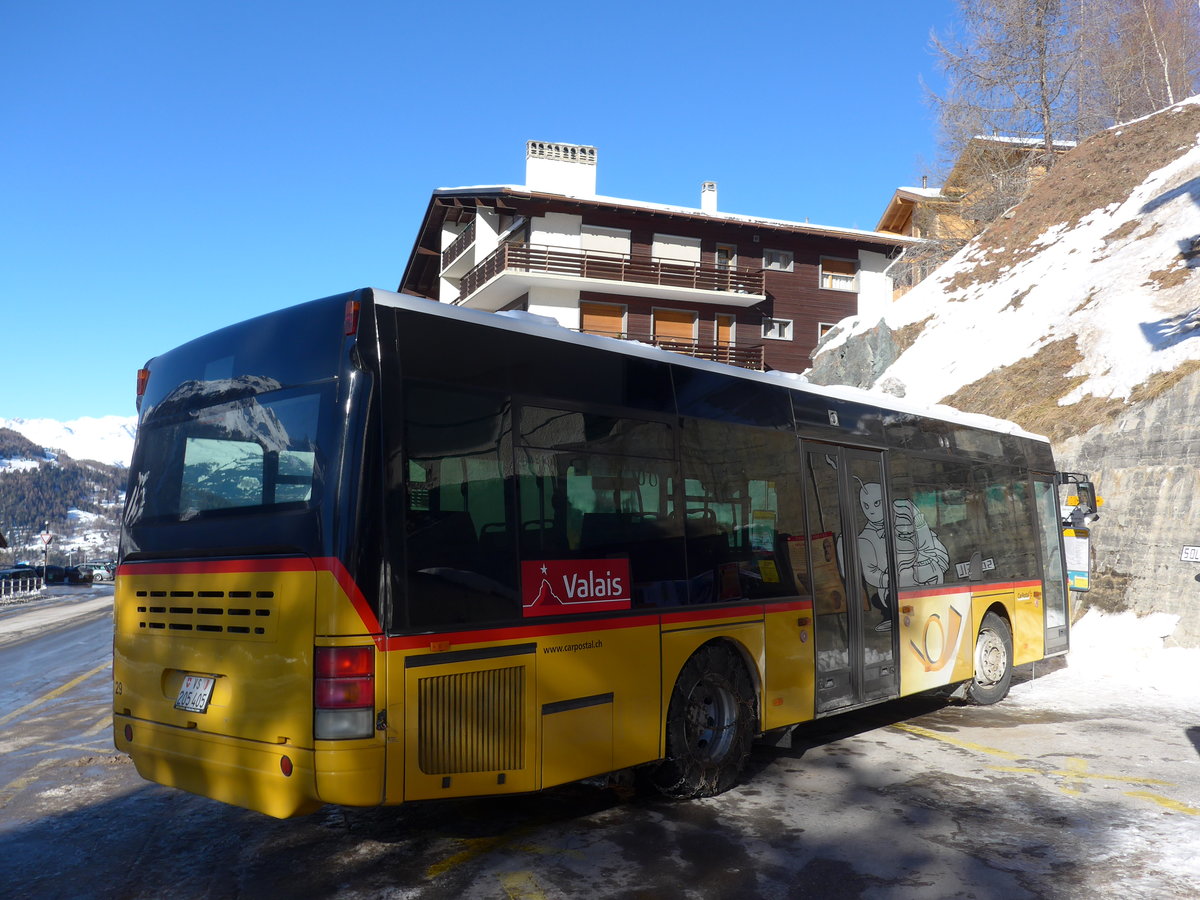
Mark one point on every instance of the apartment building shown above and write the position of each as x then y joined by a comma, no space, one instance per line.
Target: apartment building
750,291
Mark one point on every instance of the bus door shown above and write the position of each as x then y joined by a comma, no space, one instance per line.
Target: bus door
851,545
1054,581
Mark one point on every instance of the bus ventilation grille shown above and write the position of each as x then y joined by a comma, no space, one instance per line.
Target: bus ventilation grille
472,722
241,615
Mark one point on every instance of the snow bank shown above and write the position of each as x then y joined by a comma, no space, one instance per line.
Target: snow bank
1121,659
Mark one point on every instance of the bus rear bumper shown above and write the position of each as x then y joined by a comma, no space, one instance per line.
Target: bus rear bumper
240,772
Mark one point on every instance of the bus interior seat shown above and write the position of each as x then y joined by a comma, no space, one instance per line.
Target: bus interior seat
442,539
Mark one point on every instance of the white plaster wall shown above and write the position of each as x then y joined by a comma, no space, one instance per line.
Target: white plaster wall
556,230
874,287
676,247
558,303
487,231
557,176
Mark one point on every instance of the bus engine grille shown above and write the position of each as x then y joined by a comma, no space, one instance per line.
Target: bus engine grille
472,722
240,615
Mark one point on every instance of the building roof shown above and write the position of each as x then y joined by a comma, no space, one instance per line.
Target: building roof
618,202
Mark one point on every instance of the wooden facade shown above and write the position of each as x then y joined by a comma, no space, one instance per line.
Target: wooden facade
753,292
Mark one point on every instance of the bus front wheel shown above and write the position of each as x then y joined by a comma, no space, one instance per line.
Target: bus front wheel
993,662
711,721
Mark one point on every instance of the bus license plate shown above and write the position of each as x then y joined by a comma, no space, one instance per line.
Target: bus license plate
195,693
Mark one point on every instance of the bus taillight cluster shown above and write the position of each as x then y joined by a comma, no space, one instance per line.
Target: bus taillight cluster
344,692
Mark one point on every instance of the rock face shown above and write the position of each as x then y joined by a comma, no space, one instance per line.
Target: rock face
859,362
1147,468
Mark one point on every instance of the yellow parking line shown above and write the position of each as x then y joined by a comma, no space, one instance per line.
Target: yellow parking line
521,886
1173,805
105,721
17,785
473,848
58,691
946,739
1074,774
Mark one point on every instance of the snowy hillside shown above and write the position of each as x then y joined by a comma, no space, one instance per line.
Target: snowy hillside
108,439
1077,315
1089,279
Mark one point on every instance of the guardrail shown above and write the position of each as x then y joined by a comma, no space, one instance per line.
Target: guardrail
14,587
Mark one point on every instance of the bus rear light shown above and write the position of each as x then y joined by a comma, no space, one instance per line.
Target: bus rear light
343,692
285,766
344,662
143,379
343,724
353,307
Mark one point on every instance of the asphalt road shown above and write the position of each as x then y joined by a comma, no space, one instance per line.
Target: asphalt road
915,798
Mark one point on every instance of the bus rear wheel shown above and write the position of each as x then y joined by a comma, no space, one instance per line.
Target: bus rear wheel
993,662
711,721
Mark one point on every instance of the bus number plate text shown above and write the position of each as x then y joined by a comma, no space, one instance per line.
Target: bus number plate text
195,693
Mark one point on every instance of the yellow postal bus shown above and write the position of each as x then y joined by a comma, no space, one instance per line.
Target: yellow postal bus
377,549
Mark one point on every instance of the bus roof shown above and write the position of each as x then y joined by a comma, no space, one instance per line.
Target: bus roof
544,326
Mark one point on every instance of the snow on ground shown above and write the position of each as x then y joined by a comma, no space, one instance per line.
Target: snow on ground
1120,659
18,465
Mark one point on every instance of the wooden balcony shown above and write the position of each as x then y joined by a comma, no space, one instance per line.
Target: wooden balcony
459,246
611,273
744,356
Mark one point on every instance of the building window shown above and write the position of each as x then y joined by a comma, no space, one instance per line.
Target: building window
726,256
777,329
823,328
674,326
839,274
777,260
602,318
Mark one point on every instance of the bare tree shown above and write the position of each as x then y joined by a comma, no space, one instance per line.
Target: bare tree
1025,76
1010,72
1153,57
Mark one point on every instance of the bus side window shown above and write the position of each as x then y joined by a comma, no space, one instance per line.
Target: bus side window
459,539
742,504
594,486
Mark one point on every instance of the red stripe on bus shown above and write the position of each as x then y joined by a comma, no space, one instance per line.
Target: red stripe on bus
914,594
334,566
350,587
517,632
219,567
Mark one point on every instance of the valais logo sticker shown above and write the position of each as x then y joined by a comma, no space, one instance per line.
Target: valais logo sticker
554,587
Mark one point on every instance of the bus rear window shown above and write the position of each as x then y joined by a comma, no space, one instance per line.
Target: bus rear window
220,474
261,451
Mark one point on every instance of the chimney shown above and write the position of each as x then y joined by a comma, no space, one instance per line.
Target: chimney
708,197
560,168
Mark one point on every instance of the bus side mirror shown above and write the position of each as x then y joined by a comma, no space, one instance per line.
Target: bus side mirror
1086,492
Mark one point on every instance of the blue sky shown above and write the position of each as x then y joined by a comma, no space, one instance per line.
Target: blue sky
168,168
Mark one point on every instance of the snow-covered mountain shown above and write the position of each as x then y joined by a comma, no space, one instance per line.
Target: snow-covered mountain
1077,315
107,439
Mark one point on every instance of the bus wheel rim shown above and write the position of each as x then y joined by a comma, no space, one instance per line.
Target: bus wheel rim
991,658
712,715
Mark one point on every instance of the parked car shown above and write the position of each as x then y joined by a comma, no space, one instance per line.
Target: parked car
79,575
51,574
102,571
